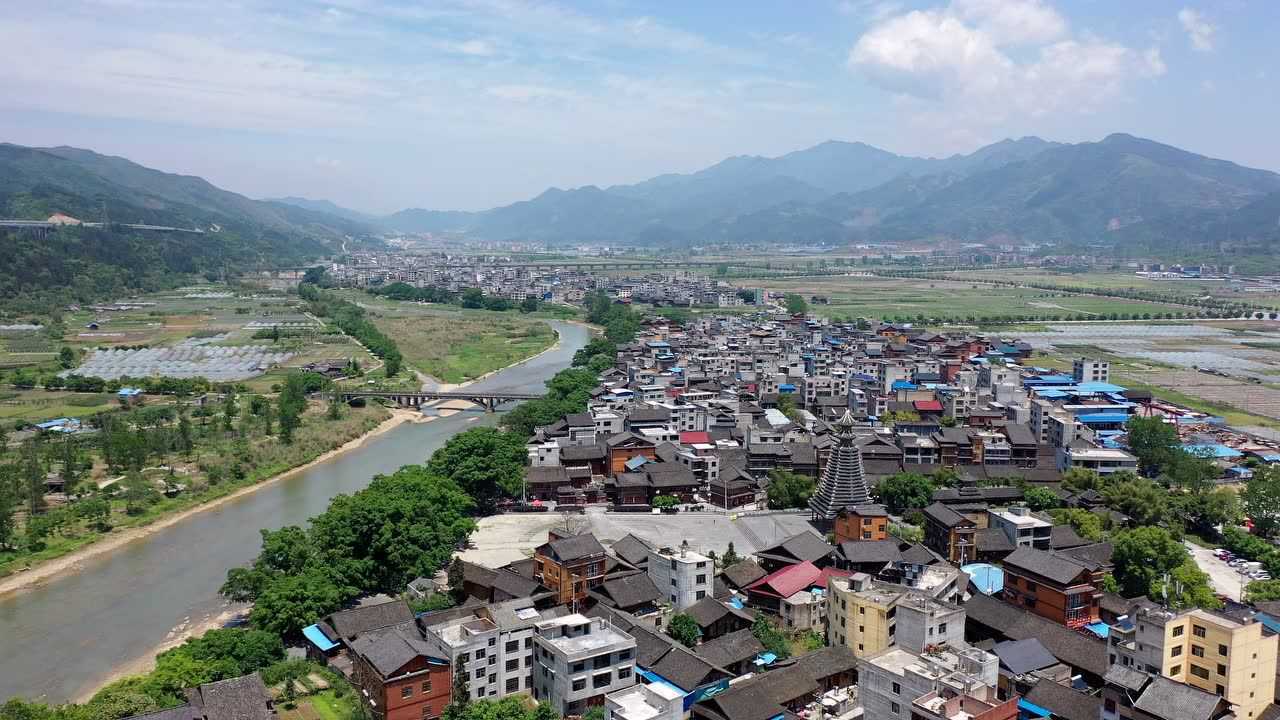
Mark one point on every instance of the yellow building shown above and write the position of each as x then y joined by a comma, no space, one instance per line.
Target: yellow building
1207,650
861,615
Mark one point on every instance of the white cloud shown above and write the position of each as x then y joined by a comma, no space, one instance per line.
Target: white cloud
529,93
982,62
1199,30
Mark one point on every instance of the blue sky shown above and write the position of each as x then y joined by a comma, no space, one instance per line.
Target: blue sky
467,104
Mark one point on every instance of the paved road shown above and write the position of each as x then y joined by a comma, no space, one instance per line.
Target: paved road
1223,577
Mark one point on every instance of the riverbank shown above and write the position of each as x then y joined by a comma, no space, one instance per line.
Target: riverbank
49,569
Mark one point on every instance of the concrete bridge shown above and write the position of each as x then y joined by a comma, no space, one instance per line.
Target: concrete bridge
487,400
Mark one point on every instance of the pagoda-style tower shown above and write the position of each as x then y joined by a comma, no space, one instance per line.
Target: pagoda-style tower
843,481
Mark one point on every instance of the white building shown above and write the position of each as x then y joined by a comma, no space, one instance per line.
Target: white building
1085,370
684,576
657,701
578,660
1101,460
494,647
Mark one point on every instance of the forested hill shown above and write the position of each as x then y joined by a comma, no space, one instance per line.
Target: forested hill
82,264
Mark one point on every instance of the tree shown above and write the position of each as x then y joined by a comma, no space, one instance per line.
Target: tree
1203,512
773,639
8,501
1144,501
1261,500
730,556
529,304
1038,498
230,409
796,304
1153,441
291,402
485,462
1142,556
292,602
1086,524
789,490
457,579
96,511
905,491
1192,473
1081,479
66,358
684,628
1262,590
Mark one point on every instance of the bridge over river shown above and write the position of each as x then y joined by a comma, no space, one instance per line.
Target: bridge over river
487,400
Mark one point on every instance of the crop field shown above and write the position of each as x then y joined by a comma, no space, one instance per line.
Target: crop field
455,345
1128,280
41,405
910,298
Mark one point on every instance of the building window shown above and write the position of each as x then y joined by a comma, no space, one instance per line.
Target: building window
601,681
895,708
624,673
1220,690
493,641
480,654
1177,650
513,664
700,594
1222,650
1200,672
701,580
513,645
1177,630
599,663
942,629
1175,670
1197,650
1222,669
492,679
479,673
897,690
1197,630
513,684
862,611
426,712
426,687
528,643
579,667
624,655
406,691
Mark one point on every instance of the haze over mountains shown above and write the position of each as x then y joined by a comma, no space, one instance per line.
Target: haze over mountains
1122,191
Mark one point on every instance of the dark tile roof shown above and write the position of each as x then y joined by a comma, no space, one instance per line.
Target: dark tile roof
801,547
1092,556
547,475
868,510
1084,652
730,649
944,515
389,649
649,414
857,552
515,585
1171,700
1049,565
1064,702
573,453
993,540
574,547
350,623
242,698
632,550
630,591
1064,537
1023,656
918,554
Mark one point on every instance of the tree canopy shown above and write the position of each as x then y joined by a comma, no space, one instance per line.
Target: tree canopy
905,491
789,490
487,463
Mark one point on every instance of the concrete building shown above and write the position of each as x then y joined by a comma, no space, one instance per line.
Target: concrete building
656,701
1022,527
868,617
1103,461
494,647
683,576
1085,370
890,681
1215,653
578,660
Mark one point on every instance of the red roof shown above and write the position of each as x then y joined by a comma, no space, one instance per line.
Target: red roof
928,405
792,579
690,438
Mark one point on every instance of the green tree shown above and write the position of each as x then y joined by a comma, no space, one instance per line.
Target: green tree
1039,499
905,491
1153,441
291,602
773,639
96,511
1261,500
487,463
1144,557
789,490
1086,524
230,409
684,629
1262,590
290,405
1081,479
1144,501
730,556
1203,512
1192,473
66,358
796,304
529,304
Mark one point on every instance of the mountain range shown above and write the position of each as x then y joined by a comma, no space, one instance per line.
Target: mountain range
1122,191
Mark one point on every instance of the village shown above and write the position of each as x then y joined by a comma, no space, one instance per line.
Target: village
636,579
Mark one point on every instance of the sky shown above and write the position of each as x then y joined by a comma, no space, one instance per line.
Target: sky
380,105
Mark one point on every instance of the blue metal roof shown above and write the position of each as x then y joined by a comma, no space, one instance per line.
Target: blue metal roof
1033,709
1103,417
903,385
786,387
1099,387
318,638
1214,450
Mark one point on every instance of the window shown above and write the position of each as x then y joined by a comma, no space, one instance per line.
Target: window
513,684
624,655
897,689
513,645
1175,670
861,628
624,673
1177,650
426,686
1220,690
866,534
1197,650
493,659
464,657
673,582
492,679
1222,650
942,629
426,712
600,662
579,667
859,646
1222,669
480,654
1031,587
479,673
895,708
513,664
1200,672
700,594
1197,630
493,641
601,681
528,643
1177,630
406,692
579,684
700,580
862,611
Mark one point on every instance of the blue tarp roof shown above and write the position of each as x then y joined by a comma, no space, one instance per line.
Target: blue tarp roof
1214,450
635,462
1033,708
1050,392
1269,622
1103,417
318,638
766,658
903,385
654,677
1099,387
1270,458
989,579
786,387
128,392
658,344
59,422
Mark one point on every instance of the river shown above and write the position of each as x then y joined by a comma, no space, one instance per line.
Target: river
63,638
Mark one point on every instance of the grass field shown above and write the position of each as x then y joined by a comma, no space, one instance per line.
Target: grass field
40,405
911,298
455,345
1126,280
